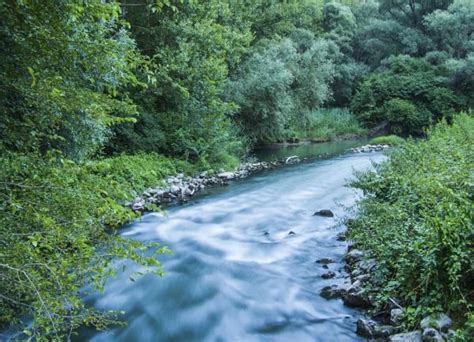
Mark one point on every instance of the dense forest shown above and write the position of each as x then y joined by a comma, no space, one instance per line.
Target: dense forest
102,99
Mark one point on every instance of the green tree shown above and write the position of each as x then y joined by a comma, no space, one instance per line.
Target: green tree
64,67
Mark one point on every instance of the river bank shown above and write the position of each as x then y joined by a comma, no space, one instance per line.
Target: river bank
180,188
410,259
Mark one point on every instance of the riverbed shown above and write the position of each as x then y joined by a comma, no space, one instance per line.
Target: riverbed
243,267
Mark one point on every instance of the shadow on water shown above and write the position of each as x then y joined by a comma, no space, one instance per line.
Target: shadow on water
236,274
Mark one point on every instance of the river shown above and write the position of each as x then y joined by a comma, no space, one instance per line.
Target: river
236,274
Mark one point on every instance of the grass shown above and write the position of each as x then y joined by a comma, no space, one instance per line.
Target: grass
392,140
328,124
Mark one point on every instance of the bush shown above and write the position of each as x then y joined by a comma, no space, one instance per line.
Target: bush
416,220
330,123
58,234
409,94
392,140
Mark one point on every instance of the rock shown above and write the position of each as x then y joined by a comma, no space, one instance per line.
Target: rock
396,316
412,336
432,335
138,204
292,160
362,277
384,331
365,327
226,175
354,256
440,322
324,213
371,329
325,267
358,299
341,237
333,291
449,335
266,233
367,265
325,261
291,233
328,275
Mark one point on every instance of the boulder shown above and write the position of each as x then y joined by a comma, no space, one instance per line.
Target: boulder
365,327
432,335
328,275
291,233
359,299
324,213
396,316
333,291
371,329
226,175
292,160
412,336
325,261
138,204
441,322
354,256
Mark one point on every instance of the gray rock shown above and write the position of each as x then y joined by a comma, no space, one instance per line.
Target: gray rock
432,335
334,291
226,175
358,299
371,329
412,336
354,256
325,261
138,204
440,322
367,265
328,275
365,327
396,316
291,233
292,160
383,331
324,213
449,335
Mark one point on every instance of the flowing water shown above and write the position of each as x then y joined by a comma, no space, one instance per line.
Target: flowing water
236,274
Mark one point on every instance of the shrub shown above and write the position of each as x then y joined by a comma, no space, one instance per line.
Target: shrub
58,234
392,140
330,123
416,220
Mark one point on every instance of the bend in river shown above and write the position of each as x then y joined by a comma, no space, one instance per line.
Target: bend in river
236,274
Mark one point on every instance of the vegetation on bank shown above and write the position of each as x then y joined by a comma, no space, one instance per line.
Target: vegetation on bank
328,124
416,220
102,99
392,140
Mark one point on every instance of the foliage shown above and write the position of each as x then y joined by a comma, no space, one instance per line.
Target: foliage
277,84
58,234
392,140
63,68
183,114
409,94
416,220
327,124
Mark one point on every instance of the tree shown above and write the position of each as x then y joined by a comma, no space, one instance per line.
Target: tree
64,68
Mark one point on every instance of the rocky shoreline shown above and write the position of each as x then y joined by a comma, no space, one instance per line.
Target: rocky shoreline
181,188
382,321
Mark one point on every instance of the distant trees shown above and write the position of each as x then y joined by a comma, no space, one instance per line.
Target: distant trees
279,83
